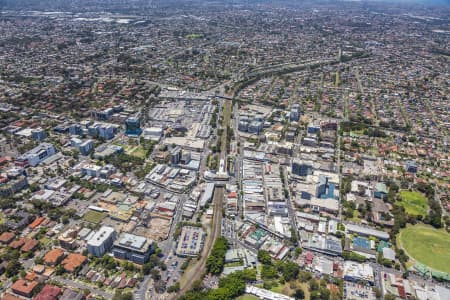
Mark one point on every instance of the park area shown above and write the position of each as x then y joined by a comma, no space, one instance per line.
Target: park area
414,203
426,245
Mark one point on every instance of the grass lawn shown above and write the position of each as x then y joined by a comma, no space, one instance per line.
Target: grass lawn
247,297
426,245
285,289
414,203
138,151
46,241
94,216
234,264
356,217
2,218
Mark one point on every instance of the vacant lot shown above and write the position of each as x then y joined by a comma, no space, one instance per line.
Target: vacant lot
94,216
427,245
414,203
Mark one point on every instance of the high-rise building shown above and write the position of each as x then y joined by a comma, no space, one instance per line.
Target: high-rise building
101,241
133,126
175,155
302,167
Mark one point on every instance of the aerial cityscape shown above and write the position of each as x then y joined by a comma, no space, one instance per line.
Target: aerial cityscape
227,149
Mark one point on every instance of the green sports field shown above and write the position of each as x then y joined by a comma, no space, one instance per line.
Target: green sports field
426,245
94,216
414,203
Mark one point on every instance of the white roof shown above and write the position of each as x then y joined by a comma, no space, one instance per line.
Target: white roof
100,236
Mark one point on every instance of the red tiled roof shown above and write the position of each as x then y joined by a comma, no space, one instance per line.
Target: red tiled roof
17,244
49,292
36,222
30,276
6,237
23,287
8,296
29,245
73,261
53,256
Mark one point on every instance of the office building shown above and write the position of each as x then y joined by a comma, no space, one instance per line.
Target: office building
36,155
84,147
175,155
133,126
243,125
313,129
302,167
255,126
38,134
133,248
75,129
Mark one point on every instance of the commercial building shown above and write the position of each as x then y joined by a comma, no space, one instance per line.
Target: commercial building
153,133
101,241
133,247
107,150
366,231
324,244
36,155
207,195
357,272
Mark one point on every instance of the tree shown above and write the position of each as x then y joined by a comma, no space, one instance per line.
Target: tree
264,257
174,288
313,285
155,274
12,268
389,297
289,270
299,294
219,294
304,276
119,295
216,260
269,272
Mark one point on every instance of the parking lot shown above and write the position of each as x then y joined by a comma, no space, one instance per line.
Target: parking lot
358,292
